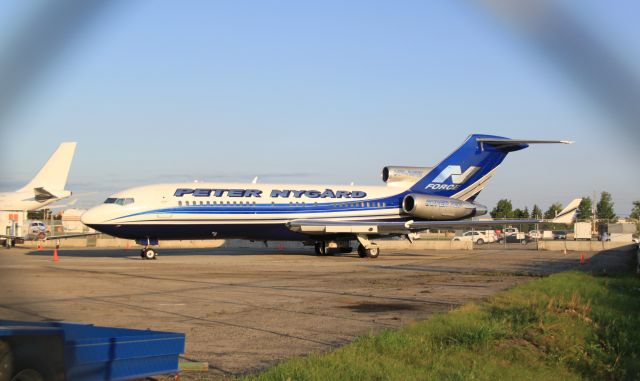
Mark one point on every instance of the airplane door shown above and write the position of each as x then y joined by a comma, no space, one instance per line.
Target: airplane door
165,204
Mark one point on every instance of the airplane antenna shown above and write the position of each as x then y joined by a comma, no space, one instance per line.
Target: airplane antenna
255,180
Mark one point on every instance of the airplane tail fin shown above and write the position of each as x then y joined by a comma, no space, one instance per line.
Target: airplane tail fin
53,174
464,173
568,214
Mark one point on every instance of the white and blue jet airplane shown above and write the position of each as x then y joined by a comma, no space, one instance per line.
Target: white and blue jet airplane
330,217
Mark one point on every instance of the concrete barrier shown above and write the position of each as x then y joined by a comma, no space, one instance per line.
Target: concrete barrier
580,245
424,245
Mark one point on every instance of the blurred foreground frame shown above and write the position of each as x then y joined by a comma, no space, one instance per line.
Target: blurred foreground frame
48,29
555,33
51,27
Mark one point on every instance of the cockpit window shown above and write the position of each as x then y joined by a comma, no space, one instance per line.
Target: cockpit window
119,201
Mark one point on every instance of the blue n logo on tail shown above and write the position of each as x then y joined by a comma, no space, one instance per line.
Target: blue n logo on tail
465,172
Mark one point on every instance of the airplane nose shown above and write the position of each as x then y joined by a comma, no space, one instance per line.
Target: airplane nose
89,217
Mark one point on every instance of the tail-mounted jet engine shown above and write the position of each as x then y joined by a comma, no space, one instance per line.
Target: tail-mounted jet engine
403,175
440,208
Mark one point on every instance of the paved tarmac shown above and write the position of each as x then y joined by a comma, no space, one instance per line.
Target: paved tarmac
245,309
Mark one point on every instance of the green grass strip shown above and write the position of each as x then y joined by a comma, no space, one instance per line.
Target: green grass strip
568,326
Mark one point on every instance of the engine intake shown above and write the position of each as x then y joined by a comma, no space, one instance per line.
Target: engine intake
395,175
440,208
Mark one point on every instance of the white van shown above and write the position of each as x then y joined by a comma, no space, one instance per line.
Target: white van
478,237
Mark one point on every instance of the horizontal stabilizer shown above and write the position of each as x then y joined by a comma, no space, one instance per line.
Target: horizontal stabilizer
43,194
503,143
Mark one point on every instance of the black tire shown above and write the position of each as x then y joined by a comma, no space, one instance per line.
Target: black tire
321,248
374,252
149,254
480,241
6,361
362,252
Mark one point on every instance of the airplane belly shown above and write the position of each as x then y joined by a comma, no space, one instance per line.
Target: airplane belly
201,231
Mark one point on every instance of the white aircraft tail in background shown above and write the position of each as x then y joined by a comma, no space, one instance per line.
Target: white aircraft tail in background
568,214
46,187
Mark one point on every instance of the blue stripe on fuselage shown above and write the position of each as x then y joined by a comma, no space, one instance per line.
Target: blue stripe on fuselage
392,202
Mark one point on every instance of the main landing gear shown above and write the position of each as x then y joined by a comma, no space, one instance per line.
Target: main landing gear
371,253
324,248
148,253
321,248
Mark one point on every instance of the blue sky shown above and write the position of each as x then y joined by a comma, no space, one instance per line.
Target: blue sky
317,92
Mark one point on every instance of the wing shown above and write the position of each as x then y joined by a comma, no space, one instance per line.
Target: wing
323,227
70,236
57,236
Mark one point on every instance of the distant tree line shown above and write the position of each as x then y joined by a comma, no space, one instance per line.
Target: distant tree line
603,210
504,210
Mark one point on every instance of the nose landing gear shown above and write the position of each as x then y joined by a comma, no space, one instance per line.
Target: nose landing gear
148,253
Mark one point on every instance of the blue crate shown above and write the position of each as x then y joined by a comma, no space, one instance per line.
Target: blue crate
106,353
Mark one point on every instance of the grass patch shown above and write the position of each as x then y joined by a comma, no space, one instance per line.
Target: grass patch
568,326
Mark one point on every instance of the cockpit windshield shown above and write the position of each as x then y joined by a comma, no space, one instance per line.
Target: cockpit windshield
119,201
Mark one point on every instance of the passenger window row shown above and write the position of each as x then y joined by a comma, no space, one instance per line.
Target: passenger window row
234,203
253,203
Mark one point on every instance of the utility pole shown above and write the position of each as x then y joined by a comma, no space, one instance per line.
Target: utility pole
594,222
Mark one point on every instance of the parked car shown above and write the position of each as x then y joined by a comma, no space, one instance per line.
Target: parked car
516,238
535,234
478,237
559,234
511,231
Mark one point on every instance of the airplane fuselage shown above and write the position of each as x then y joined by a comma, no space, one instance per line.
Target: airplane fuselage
233,210
329,216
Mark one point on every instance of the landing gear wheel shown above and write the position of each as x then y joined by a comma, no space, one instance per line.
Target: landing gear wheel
373,252
362,252
149,254
321,248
